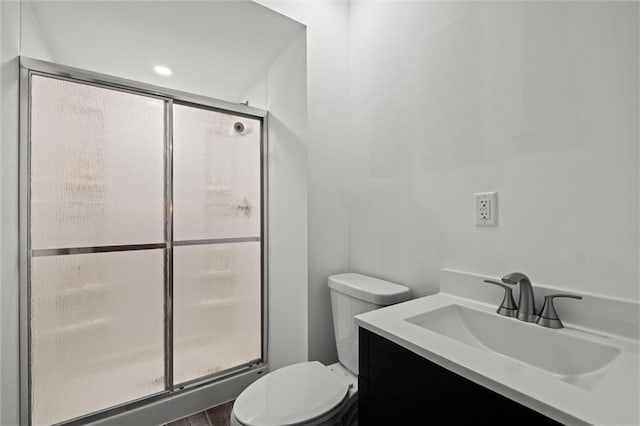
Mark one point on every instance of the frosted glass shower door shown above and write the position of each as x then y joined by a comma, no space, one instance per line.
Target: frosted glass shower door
97,238
142,243
217,255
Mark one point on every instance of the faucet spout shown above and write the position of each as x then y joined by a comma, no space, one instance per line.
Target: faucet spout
526,302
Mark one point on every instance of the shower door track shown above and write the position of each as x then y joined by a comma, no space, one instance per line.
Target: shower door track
29,67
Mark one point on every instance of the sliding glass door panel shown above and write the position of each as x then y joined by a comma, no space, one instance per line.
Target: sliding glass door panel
97,331
217,308
216,174
97,166
217,288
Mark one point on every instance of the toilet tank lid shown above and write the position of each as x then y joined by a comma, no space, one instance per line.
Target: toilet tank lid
369,289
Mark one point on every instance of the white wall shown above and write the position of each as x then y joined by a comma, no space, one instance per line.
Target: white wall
287,105
256,93
9,51
328,99
535,100
33,43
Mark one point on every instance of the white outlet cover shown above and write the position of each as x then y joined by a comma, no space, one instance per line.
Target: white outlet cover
486,208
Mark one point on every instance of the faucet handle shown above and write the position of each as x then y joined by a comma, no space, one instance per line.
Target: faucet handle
508,306
548,316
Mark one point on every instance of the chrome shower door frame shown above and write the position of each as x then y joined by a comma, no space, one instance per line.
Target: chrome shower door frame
29,67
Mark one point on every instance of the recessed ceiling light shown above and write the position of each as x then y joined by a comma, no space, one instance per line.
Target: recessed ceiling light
162,70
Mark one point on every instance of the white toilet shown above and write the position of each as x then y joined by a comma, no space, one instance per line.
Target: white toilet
310,393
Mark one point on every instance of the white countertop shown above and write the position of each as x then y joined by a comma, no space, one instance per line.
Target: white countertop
614,400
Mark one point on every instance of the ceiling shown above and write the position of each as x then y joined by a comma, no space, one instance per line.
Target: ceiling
215,48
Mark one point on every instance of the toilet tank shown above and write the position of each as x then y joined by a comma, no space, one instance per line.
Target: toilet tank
351,295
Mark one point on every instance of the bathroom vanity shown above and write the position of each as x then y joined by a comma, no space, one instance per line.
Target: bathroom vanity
397,386
449,358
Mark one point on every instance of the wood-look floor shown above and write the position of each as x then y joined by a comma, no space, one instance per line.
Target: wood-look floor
215,416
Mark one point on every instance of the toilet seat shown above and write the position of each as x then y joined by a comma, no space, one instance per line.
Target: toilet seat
296,394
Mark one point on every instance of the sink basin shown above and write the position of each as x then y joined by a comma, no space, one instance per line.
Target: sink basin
575,360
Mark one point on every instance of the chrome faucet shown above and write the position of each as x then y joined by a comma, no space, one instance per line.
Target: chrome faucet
526,302
526,309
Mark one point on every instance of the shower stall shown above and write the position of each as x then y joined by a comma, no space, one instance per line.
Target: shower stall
143,252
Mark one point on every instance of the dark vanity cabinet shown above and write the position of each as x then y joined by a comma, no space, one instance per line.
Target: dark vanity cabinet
399,387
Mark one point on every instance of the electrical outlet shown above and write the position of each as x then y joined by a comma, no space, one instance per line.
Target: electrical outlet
486,208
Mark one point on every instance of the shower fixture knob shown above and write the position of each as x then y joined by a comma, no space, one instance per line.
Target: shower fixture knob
238,127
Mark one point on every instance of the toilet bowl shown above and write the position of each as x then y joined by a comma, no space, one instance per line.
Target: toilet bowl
310,393
307,393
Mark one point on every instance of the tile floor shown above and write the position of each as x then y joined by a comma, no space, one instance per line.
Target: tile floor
216,416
